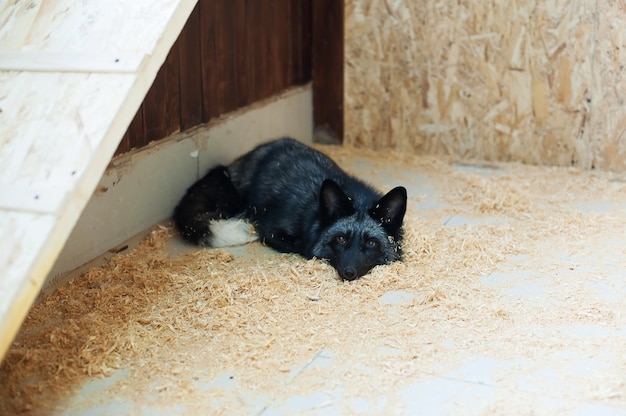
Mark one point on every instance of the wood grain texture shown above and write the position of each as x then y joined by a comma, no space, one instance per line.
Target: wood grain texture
301,38
231,53
21,16
190,78
161,108
58,130
328,68
537,82
73,61
606,126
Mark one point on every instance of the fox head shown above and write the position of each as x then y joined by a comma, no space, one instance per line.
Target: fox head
353,238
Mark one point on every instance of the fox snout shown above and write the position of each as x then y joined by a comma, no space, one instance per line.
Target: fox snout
353,261
358,235
352,270
349,273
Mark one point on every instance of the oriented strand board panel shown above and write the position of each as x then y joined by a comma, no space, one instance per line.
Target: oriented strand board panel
539,82
607,133
72,75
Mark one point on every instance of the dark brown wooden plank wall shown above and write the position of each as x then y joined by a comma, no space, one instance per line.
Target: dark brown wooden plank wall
301,39
191,74
230,54
328,61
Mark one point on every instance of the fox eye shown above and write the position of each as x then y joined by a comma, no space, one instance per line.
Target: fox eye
341,239
371,244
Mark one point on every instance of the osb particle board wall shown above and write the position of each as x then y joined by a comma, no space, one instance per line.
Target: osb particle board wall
534,81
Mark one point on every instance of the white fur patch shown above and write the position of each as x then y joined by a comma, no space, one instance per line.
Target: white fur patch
231,232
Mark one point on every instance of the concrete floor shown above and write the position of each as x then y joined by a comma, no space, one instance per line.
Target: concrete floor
585,380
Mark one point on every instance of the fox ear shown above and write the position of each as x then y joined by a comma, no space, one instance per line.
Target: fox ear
390,209
334,203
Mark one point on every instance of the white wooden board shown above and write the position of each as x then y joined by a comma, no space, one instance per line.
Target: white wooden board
65,103
62,61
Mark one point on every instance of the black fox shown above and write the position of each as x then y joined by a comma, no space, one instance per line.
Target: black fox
298,201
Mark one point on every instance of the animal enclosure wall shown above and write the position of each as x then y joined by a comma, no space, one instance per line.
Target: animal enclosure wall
230,54
73,75
539,81
237,74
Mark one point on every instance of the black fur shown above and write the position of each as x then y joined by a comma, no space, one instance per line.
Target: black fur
300,201
212,197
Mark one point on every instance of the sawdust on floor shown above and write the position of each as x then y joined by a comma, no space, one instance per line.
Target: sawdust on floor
172,319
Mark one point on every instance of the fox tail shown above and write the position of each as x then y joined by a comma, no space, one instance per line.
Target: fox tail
212,213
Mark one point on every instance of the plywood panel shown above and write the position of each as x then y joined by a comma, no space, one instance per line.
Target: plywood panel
16,21
59,129
607,131
538,82
55,61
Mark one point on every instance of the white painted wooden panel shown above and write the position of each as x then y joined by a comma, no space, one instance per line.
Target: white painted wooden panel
61,61
64,107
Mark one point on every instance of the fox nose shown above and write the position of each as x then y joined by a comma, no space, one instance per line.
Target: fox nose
349,273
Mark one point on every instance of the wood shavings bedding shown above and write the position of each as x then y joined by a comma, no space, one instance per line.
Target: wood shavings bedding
176,320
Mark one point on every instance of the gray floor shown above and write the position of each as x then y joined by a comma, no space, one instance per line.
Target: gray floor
582,373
